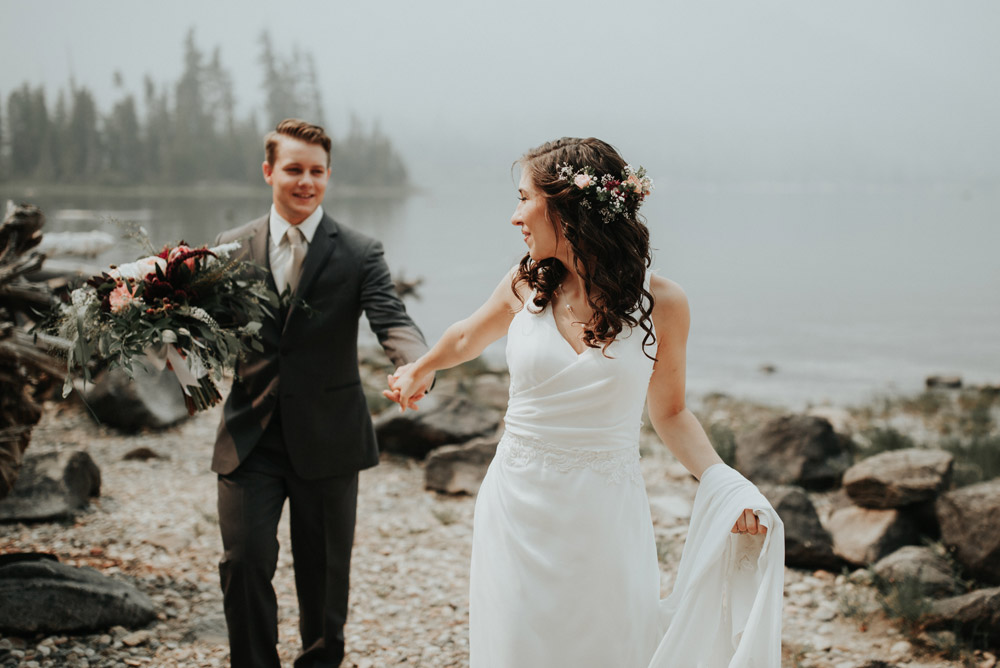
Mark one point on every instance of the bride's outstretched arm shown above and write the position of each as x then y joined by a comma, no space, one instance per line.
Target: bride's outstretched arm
463,341
674,423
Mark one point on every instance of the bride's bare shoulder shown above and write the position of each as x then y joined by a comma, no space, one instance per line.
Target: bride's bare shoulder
515,288
670,305
667,293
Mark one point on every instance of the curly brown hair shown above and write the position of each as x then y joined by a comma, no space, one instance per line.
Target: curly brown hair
611,257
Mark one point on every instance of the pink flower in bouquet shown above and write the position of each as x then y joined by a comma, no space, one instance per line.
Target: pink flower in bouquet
582,181
180,250
121,297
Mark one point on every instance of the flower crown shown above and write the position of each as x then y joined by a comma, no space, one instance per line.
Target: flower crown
614,193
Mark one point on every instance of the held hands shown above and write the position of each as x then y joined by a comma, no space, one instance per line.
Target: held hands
406,388
748,523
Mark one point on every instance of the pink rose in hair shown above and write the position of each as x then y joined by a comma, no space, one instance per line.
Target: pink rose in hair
582,181
636,184
120,298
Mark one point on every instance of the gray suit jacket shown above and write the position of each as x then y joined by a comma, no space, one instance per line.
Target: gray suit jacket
310,358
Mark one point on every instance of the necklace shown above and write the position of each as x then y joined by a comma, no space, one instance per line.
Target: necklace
569,307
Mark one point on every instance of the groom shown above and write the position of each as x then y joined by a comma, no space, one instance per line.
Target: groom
295,424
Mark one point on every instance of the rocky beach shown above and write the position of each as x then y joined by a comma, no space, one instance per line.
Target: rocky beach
154,525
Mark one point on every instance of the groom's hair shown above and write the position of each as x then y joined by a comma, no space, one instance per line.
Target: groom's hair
297,129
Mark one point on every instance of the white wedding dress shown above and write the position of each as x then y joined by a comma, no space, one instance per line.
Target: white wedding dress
564,562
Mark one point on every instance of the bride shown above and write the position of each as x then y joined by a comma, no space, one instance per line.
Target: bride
564,562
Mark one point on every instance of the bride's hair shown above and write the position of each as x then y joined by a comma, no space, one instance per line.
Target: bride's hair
611,250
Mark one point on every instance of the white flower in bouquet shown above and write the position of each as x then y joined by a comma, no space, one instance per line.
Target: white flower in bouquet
138,270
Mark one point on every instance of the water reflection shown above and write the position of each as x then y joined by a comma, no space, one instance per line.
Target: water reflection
194,219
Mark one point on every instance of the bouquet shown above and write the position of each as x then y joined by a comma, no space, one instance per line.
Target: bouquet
193,310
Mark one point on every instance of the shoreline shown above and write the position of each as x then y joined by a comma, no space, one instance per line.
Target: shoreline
195,192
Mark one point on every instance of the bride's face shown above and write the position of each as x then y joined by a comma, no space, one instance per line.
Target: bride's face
540,234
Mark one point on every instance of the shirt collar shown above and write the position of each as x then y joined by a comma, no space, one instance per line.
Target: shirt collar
279,225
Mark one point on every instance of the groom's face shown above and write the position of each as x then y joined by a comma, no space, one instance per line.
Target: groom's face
297,178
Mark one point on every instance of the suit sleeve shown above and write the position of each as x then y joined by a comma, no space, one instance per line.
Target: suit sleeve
401,339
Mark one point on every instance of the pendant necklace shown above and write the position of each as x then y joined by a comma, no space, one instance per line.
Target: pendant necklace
569,308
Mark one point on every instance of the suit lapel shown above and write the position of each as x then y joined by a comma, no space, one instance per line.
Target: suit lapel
320,248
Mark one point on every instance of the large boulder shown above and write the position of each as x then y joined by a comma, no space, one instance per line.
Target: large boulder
807,543
977,614
441,420
459,469
922,565
794,450
898,478
969,521
50,597
52,485
862,536
151,398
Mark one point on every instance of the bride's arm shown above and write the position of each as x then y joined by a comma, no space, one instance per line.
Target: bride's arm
674,423
463,341
676,426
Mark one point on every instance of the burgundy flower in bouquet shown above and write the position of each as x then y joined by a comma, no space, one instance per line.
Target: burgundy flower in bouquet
193,310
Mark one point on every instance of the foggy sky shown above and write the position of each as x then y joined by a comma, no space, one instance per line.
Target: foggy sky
851,91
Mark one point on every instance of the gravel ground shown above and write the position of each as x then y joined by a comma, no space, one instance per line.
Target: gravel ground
155,525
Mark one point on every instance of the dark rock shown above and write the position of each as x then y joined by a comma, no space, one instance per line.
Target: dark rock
950,382
969,520
807,543
794,450
151,398
50,597
921,564
52,485
977,614
12,557
441,420
459,469
140,454
925,518
862,536
898,478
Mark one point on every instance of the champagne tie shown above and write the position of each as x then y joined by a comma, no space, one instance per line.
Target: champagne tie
297,241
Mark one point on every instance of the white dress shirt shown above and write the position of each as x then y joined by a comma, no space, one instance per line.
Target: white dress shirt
279,252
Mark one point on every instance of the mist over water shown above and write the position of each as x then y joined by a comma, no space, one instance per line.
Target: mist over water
848,293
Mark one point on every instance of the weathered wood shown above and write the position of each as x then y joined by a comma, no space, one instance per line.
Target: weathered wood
23,359
17,349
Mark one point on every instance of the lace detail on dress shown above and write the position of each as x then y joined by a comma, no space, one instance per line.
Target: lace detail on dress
617,465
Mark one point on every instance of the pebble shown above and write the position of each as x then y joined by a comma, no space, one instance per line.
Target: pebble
901,649
409,589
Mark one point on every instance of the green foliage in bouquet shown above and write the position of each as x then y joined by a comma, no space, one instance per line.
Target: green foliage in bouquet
195,310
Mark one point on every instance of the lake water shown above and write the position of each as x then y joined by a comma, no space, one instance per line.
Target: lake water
848,293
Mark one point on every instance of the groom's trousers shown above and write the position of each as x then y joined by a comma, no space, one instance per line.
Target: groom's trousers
322,516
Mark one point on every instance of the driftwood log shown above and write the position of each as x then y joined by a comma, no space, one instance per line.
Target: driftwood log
23,360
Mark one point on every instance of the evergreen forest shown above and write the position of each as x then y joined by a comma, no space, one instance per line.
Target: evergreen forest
181,134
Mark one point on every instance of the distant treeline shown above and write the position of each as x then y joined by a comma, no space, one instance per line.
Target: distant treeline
183,133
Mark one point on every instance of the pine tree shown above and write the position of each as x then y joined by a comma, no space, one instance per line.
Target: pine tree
28,125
